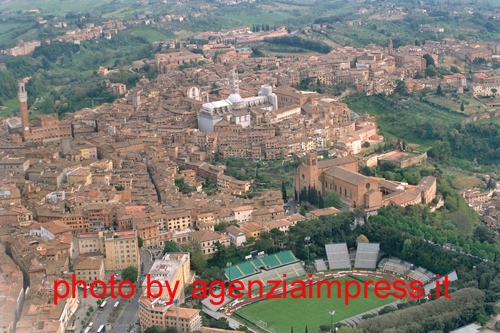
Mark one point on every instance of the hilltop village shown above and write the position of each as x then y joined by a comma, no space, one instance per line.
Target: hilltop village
77,193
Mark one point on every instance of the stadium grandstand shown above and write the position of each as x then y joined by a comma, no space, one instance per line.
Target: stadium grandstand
396,266
338,256
432,285
320,265
421,274
404,268
270,267
367,255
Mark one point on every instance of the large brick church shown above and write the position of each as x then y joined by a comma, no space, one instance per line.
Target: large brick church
359,191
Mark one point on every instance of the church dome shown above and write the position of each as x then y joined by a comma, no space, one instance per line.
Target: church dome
234,98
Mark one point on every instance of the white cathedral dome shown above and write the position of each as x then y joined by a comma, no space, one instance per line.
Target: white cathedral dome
235,98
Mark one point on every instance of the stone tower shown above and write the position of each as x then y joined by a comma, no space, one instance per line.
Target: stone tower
390,46
23,108
136,100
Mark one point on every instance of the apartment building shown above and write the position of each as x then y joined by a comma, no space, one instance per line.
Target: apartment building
149,233
120,248
89,267
173,268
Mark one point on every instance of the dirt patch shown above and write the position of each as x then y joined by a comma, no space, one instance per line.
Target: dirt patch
396,155
183,34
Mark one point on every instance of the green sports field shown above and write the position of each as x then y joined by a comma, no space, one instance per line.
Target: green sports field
282,314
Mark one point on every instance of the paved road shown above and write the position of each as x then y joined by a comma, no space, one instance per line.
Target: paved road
128,308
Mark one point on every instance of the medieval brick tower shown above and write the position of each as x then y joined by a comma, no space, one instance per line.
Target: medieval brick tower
23,103
308,174
390,47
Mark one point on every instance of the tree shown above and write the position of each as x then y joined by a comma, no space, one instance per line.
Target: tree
264,243
140,242
440,151
431,71
283,191
154,329
183,187
484,234
332,199
407,249
366,144
455,69
362,239
417,42
130,273
482,319
211,274
429,59
302,210
221,226
462,107
345,329
170,246
492,184
401,88
321,202
170,330
439,91
198,262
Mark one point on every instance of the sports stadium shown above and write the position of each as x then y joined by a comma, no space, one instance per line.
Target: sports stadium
280,315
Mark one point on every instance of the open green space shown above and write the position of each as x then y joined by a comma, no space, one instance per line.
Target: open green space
410,119
454,101
59,7
282,314
257,16
153,34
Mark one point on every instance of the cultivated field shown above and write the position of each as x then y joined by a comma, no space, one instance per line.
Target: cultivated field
282,314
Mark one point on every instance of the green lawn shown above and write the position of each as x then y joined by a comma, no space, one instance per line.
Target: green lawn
59,7
256,16
153,34
282,314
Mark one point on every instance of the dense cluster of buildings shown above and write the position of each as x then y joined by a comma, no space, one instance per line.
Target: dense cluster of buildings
99,180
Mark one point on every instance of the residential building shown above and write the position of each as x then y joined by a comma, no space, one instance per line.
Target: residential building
236,235
208,240
89,267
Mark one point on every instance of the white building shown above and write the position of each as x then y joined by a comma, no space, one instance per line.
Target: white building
236,236
232,108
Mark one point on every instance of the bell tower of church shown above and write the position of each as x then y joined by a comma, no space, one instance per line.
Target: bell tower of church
311,174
